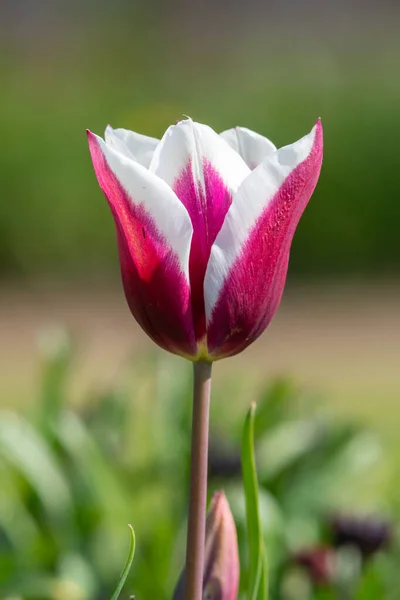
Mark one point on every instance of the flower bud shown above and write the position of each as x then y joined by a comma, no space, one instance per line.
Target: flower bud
221,559
367,534
319,562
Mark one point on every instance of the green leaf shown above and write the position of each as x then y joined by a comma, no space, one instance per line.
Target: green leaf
325,594
258,576
126,569
22,446
56,353
371,585
101,480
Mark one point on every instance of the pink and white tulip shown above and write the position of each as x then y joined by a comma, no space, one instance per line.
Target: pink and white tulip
204,226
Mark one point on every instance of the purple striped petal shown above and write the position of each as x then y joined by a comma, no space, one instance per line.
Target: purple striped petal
251,146
248,262
154,235
204,172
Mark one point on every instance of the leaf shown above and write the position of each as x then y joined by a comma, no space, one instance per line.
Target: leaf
17,525
101,481
371,585
126,569
56,352
23,447
325,594
258,576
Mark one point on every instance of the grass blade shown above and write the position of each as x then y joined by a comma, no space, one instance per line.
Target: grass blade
258,580
126,569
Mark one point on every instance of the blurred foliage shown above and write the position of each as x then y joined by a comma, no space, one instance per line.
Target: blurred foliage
140,72
72,479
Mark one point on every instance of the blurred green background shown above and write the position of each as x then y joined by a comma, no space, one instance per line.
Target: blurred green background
274,67
68,66
85,451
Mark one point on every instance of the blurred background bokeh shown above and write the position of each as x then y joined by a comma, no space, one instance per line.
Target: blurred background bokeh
271,66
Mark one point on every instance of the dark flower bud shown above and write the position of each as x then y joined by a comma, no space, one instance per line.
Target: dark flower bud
367,534
319,562
222,461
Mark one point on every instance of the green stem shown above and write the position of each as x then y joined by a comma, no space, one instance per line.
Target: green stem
198,482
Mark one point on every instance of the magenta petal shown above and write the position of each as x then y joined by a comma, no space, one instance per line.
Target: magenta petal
207,206
156,288
248,290
157,293
204,172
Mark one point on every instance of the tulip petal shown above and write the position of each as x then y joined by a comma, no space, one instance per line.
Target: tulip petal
251,146
204,172
134,145
154,234
248,262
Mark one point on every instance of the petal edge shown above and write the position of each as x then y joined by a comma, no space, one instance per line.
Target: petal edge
154,234
248,263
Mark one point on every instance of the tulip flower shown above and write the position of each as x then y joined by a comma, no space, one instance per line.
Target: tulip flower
319,562
221,560
204,226
368,534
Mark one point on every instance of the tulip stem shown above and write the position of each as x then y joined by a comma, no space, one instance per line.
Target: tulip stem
198,482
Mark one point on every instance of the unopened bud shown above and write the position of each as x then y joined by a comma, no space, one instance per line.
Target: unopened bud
368,534
221,559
